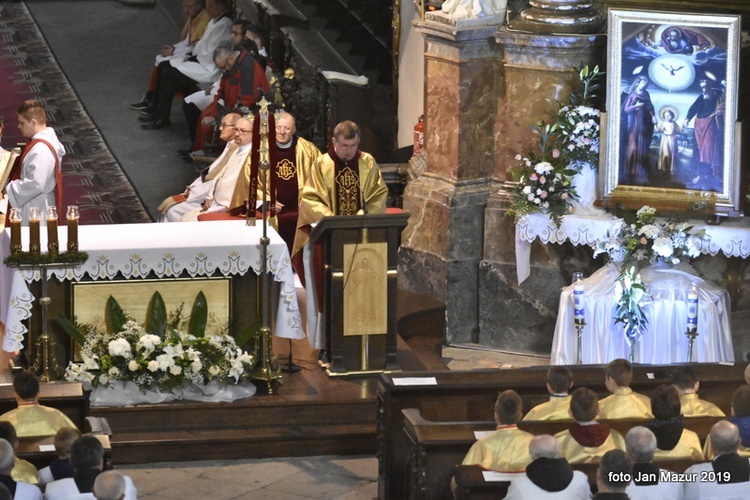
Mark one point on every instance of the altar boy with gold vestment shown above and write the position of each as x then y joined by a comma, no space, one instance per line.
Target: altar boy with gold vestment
683,379
559,382
623,403
31,419
506,449
587,440
673,441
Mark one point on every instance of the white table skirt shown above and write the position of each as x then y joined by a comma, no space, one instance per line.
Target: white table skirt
663,340
167,250
732,237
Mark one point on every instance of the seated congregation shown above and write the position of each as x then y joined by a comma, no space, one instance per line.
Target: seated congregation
549,466
77,469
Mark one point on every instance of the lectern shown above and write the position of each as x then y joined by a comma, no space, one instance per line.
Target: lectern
358,271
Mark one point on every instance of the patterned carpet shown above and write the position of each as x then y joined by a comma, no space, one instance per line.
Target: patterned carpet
92,178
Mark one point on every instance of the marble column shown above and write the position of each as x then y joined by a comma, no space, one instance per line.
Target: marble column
538,72
442,246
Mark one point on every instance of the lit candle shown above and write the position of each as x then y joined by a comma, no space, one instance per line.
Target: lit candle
692,309
14,217
578,297
72,216
53,245
34,218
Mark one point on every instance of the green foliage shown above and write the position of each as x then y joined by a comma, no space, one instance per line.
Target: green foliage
156,316
71,329
29,259
198,316
249,334
629,310
114,316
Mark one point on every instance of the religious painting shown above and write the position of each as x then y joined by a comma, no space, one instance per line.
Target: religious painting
671,131
366,289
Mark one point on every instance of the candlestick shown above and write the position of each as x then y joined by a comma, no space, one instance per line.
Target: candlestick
53,245
34,218
14,217
73,215
578,311
692,308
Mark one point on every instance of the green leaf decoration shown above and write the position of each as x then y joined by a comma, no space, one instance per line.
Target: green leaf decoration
71,329
245,337
198,316
156,316
114,316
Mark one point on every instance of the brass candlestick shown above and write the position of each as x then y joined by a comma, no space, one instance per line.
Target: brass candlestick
691,333
579,324
46,362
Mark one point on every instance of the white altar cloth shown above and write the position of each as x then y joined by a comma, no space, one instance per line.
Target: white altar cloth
167,250
732,237
664,340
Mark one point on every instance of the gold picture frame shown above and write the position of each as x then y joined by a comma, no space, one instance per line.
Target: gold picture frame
671,129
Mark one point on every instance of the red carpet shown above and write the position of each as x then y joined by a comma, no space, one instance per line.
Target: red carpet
92,178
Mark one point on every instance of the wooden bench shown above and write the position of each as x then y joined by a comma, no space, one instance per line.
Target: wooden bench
435,448
469,396
41,451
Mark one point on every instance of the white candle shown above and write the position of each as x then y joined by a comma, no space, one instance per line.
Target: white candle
578,301
692,308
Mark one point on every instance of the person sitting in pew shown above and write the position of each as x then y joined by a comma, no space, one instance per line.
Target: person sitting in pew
587,440
61,467
18,489
110,485
611,477
727,476
683,379
623,402
559,382
22,469
647,481
549,475
31,419
741,418
673,441
506,449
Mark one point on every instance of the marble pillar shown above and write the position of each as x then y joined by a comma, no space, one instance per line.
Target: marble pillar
441,248
538,72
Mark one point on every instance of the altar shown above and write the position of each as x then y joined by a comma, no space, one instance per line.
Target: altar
158,251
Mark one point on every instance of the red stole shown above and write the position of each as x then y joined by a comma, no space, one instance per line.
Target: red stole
346,179
15,172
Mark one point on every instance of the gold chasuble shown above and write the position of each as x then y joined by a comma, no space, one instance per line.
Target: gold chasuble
555,409
24,471
506,449
693,406
592,445
34,420
340,188
625,403
688,447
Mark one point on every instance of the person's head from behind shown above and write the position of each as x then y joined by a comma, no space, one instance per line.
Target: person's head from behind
640,443
228,127
508,408
683,378
6,457
725,437
256,35
64,439
26,386
31,118
747,374
559,380
584,405
544,446
8,432
346,137
109,485
87,453
615,470
618,374
741,402
665,402
285,128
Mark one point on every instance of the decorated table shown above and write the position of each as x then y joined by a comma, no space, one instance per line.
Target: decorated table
136,251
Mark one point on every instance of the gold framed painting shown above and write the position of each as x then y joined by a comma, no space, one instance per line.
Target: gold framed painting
672,138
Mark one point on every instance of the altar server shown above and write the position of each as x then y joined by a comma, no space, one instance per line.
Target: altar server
623,403
30,418
683,379
559,382
673,441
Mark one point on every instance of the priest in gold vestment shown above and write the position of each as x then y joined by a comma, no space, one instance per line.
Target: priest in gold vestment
31,419
673,441
506,449
559,382
344,181
587,440
623,403
687,385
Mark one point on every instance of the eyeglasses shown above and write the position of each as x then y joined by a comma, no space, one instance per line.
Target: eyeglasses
243,131
238,33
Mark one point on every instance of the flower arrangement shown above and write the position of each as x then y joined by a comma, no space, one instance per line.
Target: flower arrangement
578,121
168,363
543,183
639,240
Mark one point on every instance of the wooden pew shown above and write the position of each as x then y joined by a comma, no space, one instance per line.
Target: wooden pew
435,448
470,396
68,397
41,451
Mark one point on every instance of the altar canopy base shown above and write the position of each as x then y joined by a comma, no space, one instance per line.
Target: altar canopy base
663,341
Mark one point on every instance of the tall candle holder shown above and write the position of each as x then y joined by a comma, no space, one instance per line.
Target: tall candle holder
578,314
692,320
53,245
34,242
14,218
72,215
